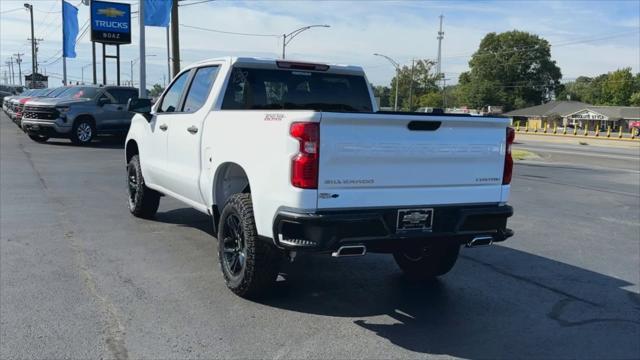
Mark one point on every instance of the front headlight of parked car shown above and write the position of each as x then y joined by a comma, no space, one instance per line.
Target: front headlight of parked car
62,110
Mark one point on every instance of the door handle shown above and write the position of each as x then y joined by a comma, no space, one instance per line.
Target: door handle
192,129
163,127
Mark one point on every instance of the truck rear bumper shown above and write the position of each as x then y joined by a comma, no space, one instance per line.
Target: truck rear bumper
377,228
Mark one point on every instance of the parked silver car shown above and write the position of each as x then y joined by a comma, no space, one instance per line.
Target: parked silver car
79,114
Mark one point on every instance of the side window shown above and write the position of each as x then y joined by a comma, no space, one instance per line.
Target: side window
122,96
107,98
200,87
172,96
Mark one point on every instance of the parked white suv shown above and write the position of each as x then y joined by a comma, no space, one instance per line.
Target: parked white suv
291,157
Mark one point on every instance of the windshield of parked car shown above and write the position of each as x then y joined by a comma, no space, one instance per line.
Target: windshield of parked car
296,90
79,92
57,92
41,92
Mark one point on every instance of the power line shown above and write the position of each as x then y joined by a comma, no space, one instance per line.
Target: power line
11,10
58,54
196,3
46,17
536,47
229,32
49,12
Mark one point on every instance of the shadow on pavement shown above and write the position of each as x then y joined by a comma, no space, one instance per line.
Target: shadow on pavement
530,306
498,302
101,142
186,217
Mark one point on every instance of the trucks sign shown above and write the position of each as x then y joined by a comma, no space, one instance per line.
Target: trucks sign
110,22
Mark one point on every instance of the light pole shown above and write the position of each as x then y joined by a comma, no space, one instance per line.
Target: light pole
82,70
286,38
34,62
133,62
397,66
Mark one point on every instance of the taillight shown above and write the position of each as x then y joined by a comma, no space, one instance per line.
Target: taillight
304,166
508,159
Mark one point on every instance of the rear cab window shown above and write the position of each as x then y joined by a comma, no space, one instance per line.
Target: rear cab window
287,89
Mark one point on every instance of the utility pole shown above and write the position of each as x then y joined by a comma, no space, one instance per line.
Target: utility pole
82,70
413,61
439,66
168,33
34,62
444,94
175,39
440,37
36,48
10,64
19,61
143,64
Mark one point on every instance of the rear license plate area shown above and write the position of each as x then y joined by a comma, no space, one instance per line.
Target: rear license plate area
414,220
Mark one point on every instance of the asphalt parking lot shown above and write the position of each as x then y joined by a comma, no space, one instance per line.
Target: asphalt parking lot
81,278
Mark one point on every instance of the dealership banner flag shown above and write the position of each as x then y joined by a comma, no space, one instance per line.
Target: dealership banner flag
69,29
157,12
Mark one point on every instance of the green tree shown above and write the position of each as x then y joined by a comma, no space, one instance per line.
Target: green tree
634,100
409,92
581,89
384,93
452,93
431,99
436,99
156,90
510,69
614,88
618,87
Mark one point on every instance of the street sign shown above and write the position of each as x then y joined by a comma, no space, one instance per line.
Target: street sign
110,22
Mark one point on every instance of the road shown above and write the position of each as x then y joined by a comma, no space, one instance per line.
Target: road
625,155
81,278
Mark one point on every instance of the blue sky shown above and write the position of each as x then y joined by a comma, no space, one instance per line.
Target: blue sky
588,38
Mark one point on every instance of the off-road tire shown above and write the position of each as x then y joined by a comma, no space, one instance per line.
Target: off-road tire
143,202
81,126
429,261
261,259
38,138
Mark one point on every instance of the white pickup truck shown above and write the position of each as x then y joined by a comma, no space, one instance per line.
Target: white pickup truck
291,157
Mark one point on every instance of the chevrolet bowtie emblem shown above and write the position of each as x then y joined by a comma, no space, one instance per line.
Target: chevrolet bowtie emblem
111,12
415,217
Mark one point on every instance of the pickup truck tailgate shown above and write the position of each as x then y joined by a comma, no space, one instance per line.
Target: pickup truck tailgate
379,160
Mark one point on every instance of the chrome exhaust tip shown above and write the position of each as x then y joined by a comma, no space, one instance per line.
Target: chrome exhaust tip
480,241
350,250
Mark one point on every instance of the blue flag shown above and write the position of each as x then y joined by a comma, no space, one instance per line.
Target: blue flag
69,29
157,12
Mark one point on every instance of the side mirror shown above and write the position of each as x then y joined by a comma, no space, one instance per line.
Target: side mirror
141,106
103,101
